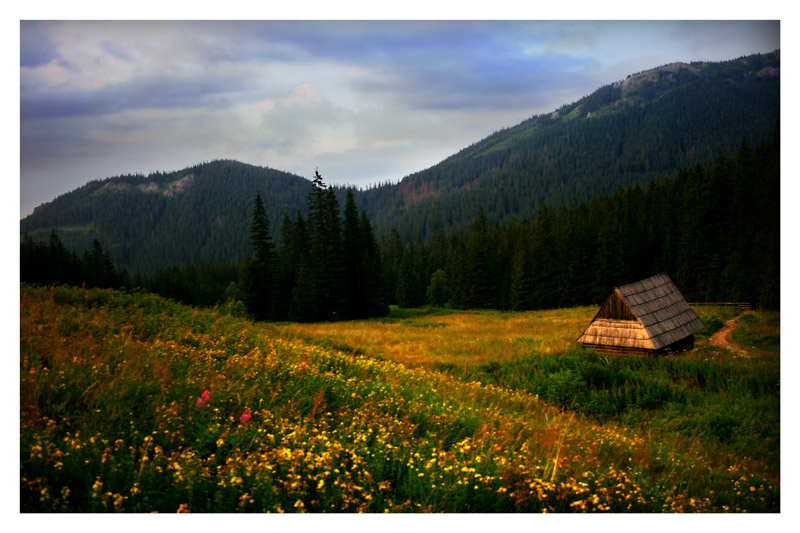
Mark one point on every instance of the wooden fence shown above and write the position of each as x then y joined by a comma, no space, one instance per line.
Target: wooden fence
744,306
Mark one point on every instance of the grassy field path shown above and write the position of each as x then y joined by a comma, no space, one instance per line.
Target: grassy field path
720,338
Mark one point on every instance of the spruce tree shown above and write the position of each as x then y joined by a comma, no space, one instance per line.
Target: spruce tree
479,263
374,298
393,252
98,268
354,253
260,238
439,289
257,274
523,280
322,275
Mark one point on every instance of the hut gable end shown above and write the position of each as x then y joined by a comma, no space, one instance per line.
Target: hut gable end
616,308
643,317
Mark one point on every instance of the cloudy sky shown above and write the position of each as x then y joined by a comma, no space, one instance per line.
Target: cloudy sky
363,101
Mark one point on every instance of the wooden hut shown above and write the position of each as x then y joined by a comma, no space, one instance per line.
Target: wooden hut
642,318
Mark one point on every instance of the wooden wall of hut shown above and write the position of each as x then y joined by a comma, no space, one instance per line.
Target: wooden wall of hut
616,308
674,348
621,350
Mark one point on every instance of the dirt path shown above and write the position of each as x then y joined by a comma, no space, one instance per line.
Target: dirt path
720,338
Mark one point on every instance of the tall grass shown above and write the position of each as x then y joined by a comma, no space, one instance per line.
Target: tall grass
706,393
132,403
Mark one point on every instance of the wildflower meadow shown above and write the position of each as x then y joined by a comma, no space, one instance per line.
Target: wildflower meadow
133,403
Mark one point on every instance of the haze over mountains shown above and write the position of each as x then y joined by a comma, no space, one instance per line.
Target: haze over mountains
650,124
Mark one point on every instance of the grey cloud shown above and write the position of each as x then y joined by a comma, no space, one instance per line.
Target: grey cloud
118,52
36,49
501,84
201,91
717,40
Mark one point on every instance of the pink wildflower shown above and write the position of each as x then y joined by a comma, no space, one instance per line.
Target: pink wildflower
245,417
195,311
206,396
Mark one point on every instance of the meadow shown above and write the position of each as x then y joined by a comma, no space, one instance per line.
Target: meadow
133,403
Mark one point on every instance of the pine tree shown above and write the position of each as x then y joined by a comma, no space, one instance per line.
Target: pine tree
98,268
373,285
286,263
257,279
320,288
479,263
393,252
522,284
405,283
439,289
260,238
353,259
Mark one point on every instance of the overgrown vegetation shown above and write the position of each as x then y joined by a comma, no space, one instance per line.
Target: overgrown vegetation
129,402
759,331
734,401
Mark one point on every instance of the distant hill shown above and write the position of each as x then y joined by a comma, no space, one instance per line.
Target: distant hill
650,124
202,212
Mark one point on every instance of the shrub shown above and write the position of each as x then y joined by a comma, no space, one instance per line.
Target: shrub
721,426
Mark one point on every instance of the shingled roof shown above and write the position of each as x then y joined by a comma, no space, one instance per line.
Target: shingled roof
650,314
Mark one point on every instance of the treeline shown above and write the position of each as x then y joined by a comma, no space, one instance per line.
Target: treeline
205,283
48,263
715,230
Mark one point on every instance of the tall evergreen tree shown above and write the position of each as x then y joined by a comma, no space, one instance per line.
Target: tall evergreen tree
439,289
481,291
405,292
98,268
354,255
523,280
374,299
393,252
320,281
260,238
257,283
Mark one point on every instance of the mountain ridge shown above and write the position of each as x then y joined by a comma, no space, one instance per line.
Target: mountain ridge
639,96
650,124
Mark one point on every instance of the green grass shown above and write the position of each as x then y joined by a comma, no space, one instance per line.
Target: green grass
727,401
714,318
759,331
402,313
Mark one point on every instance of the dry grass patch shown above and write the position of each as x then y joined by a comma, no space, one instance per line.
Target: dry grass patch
457,338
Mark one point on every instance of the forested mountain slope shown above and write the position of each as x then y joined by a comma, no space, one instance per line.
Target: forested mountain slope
651,124
202,212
